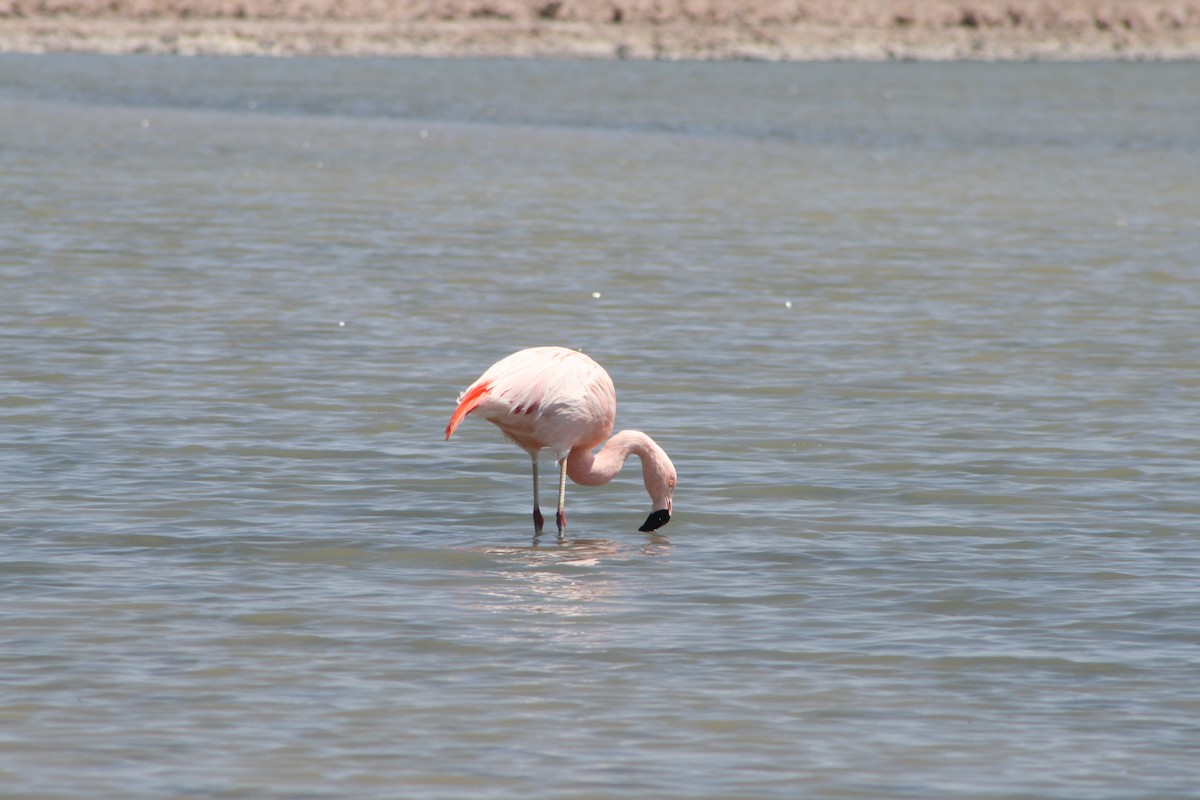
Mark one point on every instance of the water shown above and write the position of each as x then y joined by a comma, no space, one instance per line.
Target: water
920,340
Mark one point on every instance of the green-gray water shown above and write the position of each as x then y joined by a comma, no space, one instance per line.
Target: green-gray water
921,341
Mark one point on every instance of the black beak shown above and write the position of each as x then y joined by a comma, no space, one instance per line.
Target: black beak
656,520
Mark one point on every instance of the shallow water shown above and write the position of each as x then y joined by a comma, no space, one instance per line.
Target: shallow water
920,340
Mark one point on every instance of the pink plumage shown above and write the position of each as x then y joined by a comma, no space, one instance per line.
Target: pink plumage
552,398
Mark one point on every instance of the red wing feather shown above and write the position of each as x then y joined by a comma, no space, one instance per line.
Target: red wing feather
466,405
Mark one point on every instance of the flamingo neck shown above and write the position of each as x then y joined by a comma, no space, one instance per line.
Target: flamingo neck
593,469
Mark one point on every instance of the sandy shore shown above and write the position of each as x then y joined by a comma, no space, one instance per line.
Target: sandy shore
668,29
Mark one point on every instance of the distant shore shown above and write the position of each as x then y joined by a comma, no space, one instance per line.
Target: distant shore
775,30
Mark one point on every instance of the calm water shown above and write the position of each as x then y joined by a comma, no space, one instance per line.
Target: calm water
920,339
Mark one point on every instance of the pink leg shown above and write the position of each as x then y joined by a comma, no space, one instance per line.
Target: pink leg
538,519
561,517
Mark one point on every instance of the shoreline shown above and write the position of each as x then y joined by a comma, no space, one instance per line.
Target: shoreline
867,30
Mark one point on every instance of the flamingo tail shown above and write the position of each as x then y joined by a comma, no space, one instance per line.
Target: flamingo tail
466,404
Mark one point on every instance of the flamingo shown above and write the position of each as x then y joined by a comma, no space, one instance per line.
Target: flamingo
559,399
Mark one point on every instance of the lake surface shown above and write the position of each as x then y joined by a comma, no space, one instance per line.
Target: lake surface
920,339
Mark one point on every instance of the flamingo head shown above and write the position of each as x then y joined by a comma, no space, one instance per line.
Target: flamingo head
662,495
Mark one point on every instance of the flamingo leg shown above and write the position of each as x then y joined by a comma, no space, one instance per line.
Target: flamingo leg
560,518
538,520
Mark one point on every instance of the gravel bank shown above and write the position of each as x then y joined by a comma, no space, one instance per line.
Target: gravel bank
667,29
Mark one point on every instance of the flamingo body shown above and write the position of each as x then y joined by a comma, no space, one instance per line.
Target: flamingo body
552,398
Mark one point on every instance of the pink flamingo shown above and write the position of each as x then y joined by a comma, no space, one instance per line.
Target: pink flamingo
555,398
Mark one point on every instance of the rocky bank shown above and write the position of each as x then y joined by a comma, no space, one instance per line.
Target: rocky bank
662,29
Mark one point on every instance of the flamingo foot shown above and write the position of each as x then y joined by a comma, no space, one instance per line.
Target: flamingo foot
560,519
538,520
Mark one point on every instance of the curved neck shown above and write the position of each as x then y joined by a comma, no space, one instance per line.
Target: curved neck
593,469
